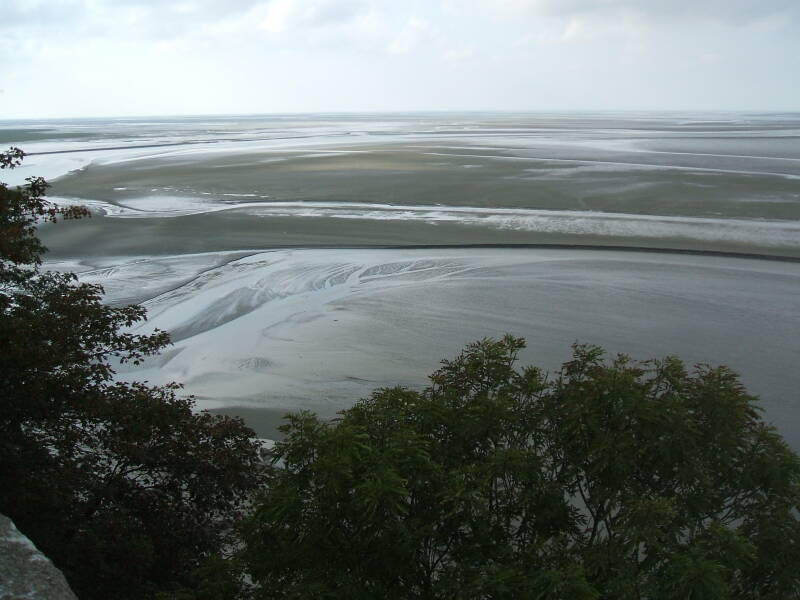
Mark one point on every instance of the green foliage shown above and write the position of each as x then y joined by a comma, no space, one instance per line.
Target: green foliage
20,210
612,479
122,485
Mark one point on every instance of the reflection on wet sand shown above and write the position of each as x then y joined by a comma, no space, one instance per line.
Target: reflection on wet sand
318,329
196,218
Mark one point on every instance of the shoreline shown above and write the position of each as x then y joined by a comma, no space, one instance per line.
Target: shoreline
541,246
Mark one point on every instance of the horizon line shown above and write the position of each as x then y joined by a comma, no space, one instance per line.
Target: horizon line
541,111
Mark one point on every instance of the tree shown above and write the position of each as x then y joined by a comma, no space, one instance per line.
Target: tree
613,479
125,487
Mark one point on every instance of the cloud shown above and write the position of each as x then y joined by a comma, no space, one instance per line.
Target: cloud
284,15
458,54
736,11
116,18
410,36
173,56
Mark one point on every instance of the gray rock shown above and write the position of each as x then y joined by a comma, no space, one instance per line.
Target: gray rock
26,573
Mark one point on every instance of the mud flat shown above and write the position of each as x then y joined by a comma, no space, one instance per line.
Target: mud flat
299,261
317,329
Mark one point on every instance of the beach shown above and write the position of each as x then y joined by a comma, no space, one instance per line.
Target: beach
300,262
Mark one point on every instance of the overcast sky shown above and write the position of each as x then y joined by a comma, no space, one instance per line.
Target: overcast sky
75,58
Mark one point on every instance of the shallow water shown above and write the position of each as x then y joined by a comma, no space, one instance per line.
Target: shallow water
184,209
318,329
719,182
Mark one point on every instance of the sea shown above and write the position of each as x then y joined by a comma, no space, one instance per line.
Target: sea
301,261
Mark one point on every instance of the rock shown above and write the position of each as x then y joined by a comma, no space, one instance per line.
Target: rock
26,573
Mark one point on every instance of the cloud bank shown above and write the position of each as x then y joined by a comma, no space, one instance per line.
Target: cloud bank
107,57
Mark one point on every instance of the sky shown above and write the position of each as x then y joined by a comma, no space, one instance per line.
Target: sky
97,58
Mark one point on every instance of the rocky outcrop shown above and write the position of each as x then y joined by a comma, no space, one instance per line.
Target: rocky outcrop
26,573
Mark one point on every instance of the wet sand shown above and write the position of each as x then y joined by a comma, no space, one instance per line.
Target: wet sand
318,329
195,217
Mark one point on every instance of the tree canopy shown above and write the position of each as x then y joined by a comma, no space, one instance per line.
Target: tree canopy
611,479
123,486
